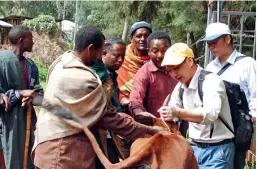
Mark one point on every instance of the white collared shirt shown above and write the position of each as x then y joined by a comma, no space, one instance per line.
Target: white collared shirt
215,103
242,72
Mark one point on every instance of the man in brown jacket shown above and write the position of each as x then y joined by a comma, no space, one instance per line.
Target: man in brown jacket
60,142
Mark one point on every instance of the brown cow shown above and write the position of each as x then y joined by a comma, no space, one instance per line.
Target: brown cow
158,152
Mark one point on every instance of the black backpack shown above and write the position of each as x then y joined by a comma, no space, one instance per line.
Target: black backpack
241,119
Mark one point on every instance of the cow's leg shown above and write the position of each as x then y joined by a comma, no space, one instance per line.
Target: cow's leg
191,161
155,164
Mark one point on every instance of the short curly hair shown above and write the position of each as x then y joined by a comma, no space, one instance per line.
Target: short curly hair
158,35
17,32
86,36
112,41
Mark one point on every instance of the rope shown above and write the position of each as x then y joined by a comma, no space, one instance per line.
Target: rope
166,125
251,153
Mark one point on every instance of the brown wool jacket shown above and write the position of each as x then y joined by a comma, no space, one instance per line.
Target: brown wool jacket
75,86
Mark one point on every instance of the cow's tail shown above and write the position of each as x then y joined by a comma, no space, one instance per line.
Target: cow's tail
65,113
106,163
133,160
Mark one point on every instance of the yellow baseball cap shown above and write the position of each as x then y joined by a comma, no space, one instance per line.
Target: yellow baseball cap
176,54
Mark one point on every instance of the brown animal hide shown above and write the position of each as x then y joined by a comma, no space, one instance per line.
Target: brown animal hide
158,151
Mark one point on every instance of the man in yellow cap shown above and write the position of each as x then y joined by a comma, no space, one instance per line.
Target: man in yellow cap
214,149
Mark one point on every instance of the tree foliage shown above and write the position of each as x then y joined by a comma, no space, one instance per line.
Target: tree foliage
45,49
110,15
35,8
115,17
176,17
42,23
42,71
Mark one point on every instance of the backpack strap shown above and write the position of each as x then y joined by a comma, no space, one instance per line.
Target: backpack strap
226,125
200,90
219,73
201,78
229,64
203,73
181,92
183,126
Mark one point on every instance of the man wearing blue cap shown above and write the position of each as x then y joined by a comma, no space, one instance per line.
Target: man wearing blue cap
241,70
136,56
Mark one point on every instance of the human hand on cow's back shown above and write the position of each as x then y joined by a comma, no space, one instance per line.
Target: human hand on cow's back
145,118
144,114
169,113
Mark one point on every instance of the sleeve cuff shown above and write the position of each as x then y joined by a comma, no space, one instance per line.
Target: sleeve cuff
203,113
137,111
124,101
17,94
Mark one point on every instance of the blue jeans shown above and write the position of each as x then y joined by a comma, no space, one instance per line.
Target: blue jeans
215,157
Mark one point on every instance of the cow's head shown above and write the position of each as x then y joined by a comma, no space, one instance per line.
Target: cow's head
173,127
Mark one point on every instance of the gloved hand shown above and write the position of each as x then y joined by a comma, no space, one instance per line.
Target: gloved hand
169,113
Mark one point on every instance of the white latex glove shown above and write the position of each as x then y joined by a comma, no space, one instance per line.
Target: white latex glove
169,113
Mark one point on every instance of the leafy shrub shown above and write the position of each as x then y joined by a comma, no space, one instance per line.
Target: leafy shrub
45,49
42,23
42,70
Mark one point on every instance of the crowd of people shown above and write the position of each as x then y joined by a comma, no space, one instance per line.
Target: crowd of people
103,80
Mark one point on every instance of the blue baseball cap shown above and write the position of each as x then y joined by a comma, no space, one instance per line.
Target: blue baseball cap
138,25
215,30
